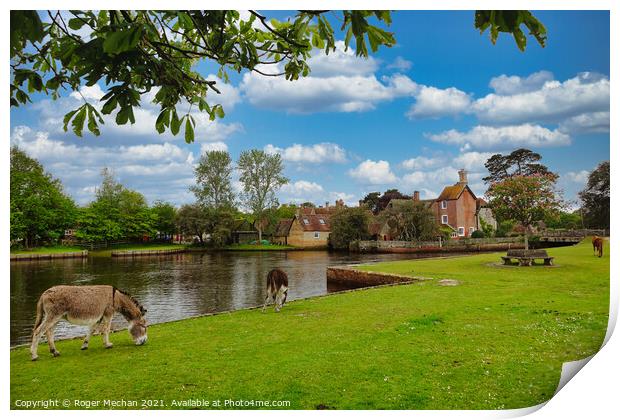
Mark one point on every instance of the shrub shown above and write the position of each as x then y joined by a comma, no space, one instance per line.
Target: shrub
477,234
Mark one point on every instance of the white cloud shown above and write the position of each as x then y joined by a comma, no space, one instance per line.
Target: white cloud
159,171
513,85
373,173
422,162
400,64
210,147
484,137
314,153
300,188
593,122
472,160
553,102
340,62
339,82
432,102
580,177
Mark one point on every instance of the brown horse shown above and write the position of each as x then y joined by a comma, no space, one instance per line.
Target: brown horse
597,245
93,306
277,288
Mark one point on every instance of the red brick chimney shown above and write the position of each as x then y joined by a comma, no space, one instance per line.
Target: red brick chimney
462,176
416,196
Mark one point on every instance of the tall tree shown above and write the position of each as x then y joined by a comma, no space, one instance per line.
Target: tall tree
595,197
347,225
134,52
411,221
165,217
521,162
116,213
261,176
213,187
372,201
40,210
525,199
191,219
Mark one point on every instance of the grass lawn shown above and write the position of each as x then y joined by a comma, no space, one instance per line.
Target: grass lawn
48,250
497,340
134,247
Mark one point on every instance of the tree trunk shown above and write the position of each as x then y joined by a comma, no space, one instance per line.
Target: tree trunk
527,244
260,235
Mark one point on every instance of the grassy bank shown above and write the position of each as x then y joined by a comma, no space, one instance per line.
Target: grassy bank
135,247
47,250
497,340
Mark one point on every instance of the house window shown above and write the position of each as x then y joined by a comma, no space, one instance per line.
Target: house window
321,221
317,235
444,204
461,231
306,221
444,219
471,230
453,235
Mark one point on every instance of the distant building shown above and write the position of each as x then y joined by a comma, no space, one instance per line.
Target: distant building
457,207
309,228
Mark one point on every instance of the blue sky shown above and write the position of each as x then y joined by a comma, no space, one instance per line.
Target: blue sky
409,117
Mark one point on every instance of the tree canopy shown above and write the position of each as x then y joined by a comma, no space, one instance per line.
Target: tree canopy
525,199
261,177
410,221
135,52
40,210
521,162
213,180
595,197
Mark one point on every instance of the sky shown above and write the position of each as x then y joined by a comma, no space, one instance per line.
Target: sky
408,117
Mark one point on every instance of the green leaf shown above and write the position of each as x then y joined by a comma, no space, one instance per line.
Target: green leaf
189,131
122,41
175,123
67,118
78,121
76,23
163,120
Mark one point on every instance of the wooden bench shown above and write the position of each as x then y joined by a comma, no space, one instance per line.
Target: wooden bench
526,258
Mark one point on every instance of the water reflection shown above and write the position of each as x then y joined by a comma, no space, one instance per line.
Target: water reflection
175,286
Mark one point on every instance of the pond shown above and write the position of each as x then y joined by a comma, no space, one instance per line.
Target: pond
177,286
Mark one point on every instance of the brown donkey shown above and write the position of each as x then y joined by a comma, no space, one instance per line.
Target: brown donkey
277,288
597,245
86,305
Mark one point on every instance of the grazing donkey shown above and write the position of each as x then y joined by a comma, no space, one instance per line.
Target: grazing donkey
597,245
86,305
277,288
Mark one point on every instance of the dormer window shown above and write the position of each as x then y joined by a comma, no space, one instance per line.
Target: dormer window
444,204
321,221
306,221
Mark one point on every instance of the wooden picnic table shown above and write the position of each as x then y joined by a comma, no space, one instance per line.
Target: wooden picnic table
527,257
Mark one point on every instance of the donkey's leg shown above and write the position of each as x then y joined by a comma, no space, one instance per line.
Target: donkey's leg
89,334
280,299
107,324
49,332
36,336
268,300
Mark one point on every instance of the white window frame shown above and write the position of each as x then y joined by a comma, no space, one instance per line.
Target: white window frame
322,221
317,235
444,219
306,221
461,231
471,230
453,235
444,204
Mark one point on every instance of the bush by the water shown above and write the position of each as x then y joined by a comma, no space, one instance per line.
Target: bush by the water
477,234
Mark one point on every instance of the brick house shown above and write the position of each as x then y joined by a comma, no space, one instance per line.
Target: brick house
456,207
309,228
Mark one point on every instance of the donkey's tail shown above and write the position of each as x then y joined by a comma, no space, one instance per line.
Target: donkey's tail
39,318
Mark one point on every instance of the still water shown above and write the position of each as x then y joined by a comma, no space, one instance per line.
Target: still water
173,287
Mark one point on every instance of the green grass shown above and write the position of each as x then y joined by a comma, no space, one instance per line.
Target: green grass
135,247
497,340
47,250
